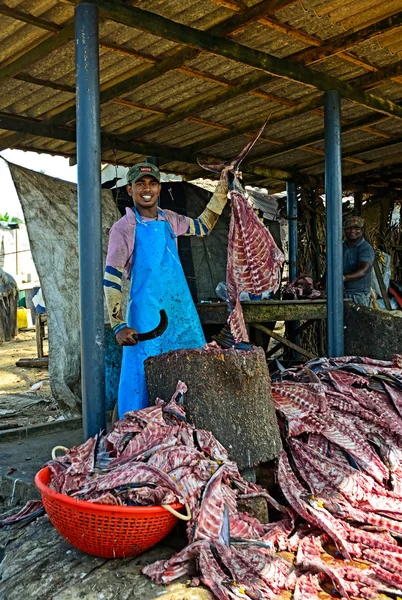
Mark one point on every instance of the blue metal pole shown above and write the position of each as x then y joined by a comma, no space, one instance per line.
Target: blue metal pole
90,219
291,209
333,203
291,204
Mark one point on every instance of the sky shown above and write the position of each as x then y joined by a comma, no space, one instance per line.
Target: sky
55,166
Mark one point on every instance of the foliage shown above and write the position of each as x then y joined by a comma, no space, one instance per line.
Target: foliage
7,219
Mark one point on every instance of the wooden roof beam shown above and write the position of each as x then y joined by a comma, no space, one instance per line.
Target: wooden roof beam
363,82
363,150
62,87
178,58
41,50
235,5
314,138
268,21
311,40
157,25
201,40
24,17
370,80
42,129
342,42
243,130
198,105
231,24
170,62
350,172
207,123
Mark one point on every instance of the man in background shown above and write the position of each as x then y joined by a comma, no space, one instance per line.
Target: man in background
358,259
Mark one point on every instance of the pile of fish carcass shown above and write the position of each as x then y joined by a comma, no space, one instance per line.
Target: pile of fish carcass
342,471
341,476
338,503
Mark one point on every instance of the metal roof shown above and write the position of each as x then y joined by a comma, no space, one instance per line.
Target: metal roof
187,84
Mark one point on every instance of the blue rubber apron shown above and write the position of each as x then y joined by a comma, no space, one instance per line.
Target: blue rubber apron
157,282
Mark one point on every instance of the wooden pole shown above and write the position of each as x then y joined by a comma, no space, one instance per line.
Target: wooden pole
384,291
317,264
283,340
43,49
380,279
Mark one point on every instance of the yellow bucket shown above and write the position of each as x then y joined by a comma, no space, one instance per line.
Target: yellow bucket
22,319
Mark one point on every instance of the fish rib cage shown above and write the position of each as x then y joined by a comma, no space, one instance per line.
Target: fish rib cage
103,530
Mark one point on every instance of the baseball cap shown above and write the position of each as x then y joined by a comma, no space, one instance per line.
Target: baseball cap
140,169
353,222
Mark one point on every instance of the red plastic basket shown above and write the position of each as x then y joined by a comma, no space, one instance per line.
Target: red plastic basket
104,530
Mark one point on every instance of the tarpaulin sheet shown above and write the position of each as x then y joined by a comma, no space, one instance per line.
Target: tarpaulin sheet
51,216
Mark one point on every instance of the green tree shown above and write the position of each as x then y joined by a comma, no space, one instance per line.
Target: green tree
7,219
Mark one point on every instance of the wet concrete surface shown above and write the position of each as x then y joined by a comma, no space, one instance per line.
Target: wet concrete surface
22,459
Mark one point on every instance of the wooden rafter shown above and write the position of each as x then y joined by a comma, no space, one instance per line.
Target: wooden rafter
32,127
342,42
237,5
314,138
40,50
350,172
176,32
167,64
29,19
170,117
299,143
114,91
193,117
126,51
329,47
155,124
61,87
362,150
363,124
370,80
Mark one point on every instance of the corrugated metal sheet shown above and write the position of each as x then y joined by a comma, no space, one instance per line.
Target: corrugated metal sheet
45,88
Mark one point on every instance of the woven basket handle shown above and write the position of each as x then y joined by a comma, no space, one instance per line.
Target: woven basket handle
174,512
58,448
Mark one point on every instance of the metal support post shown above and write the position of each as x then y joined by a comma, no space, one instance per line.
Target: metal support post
90,219
358,199
153,160
333,204
291,209
291,205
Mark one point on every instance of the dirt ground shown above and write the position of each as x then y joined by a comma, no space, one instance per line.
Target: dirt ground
16,379
20,405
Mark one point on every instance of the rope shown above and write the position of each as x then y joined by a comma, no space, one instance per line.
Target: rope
58,448
174,512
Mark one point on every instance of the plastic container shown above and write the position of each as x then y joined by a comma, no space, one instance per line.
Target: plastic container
105,530
22,318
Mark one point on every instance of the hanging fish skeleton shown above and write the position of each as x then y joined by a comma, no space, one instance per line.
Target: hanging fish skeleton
254,259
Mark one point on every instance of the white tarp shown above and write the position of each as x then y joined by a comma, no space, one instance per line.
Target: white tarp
51,216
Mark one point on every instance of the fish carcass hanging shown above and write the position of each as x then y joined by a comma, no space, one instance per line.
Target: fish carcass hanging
254,259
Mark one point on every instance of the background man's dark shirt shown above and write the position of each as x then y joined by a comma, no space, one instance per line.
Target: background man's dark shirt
352,257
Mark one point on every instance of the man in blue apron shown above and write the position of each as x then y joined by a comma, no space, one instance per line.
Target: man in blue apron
143,243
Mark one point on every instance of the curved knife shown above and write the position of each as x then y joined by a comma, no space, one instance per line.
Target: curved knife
154,333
